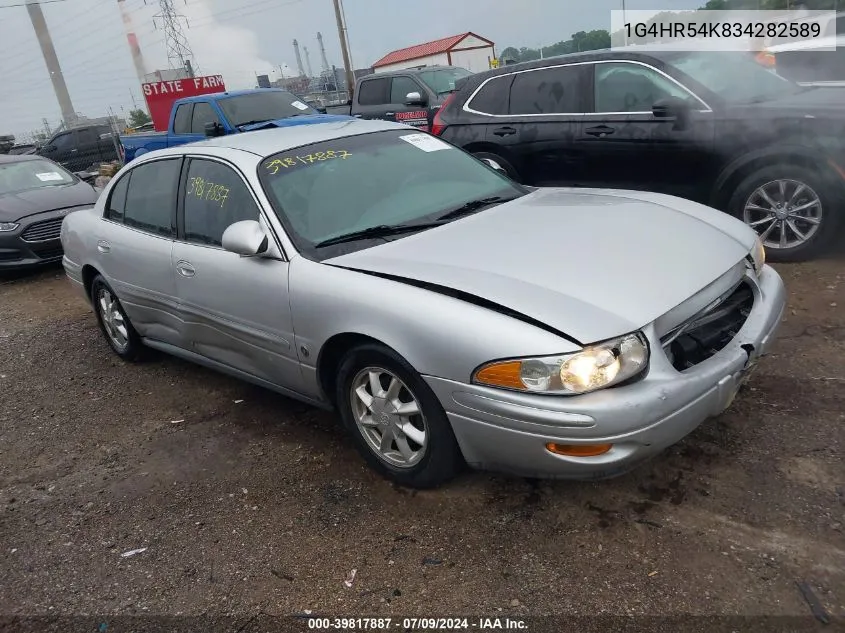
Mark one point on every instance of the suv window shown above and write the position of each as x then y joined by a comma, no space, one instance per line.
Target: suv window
182,121
374,92
401,87
151,198
494,97
215,198
547,91
203,113
87,135
117,199
621,87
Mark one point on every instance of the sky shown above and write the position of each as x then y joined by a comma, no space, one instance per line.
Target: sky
239,38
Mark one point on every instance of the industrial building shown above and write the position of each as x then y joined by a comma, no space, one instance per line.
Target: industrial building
466,50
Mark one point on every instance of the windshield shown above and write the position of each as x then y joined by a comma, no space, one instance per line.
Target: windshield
443,81
24,175
735,77
329,189
263,106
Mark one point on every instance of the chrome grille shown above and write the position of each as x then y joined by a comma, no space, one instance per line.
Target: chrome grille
709,331
43,231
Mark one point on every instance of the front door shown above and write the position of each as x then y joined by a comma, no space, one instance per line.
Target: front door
236,309
545,112
625,146
134,241
62,149
416,113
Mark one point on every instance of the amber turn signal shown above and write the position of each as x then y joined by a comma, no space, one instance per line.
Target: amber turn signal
504,374
578,450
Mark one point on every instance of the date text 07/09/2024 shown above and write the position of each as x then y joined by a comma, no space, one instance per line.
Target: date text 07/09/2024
416,624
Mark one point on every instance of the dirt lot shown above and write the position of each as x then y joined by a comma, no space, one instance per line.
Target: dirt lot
252,503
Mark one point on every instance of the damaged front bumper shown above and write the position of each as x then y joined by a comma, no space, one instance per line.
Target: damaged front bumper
508,431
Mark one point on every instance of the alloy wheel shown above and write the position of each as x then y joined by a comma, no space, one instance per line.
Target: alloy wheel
785,213
389,417
113,319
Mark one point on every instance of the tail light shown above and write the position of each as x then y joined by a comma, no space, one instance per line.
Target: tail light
438,127
765,58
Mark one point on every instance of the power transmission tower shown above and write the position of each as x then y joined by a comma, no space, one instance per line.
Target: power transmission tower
179,53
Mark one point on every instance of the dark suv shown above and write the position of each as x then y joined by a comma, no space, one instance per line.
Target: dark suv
713,127
81,147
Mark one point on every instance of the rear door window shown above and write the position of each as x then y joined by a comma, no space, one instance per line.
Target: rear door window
494,96
151,198
215,198
374,92
117,199
557,90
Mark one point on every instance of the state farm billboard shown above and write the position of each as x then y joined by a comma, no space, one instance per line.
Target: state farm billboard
160,95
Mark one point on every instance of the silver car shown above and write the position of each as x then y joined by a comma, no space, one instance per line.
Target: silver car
448,314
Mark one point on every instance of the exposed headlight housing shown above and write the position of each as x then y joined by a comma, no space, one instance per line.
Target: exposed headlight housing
8,226
595,367
758,256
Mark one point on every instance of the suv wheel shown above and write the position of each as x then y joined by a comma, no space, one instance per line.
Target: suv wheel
791,208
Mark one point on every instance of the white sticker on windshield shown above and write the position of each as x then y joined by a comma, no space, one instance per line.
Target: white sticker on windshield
425,142
47,176
299,105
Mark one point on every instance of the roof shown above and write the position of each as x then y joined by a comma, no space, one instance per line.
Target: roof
424,50
16,158
228,94
266,142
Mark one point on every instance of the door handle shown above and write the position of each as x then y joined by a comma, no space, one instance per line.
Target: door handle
505,131
600,130
74,150
185,268
103,246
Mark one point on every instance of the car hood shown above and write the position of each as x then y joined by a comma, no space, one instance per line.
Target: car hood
592,264
15,206
307,119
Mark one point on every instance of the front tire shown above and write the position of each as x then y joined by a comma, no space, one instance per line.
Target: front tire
792,209
115,325
394,418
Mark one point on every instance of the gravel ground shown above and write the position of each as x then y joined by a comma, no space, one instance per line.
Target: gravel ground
245,502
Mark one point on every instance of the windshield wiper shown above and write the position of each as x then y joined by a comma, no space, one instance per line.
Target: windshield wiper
382,230
472,206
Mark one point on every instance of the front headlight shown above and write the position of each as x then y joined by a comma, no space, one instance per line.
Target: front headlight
758,256
8,226
595,367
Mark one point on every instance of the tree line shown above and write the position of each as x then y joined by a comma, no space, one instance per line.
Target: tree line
600,38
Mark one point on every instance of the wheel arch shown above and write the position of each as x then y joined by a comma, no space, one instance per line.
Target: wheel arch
741,167
89,273
331,354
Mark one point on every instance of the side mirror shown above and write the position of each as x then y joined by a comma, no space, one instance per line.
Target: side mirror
246,238
494,165
415,98
672,108
213,129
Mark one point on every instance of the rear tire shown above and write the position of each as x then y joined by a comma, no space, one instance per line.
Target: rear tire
797,212
513,174
114,324
394,418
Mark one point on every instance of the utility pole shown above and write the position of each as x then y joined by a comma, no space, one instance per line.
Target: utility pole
341,32
52,62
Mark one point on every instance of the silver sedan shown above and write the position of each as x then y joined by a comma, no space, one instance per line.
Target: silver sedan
449,315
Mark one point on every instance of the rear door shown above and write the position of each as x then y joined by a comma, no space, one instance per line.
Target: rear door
134,243
62,149
373,99
88,148
626,146
545,113
236,309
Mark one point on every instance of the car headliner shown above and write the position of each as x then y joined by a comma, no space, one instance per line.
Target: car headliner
266,142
